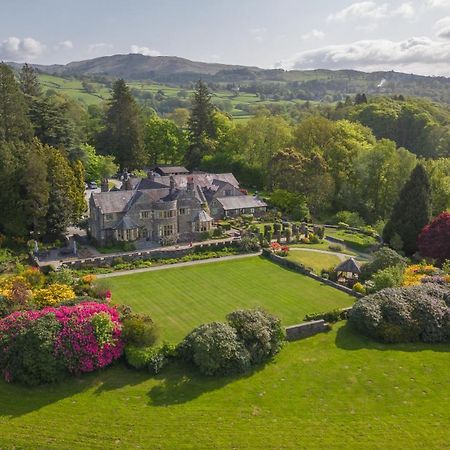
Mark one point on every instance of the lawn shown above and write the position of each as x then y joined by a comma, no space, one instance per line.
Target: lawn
335,390
356,241
314,260
179,299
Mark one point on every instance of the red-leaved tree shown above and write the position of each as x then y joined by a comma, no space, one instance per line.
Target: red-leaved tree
434,240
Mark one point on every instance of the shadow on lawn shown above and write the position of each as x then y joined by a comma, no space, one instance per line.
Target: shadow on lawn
348,338
17,400
180,384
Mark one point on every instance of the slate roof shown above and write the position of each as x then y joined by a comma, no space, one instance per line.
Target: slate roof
126,223
349,265
240,201
203,216
112,201
169,170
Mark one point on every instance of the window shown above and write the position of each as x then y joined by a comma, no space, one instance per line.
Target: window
166,230
145,214
183,211
109,217
167,214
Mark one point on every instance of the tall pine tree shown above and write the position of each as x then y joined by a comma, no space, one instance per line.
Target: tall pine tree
201,126
411,212
29,82
123,135
14,123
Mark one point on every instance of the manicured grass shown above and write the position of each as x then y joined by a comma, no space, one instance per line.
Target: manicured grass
335,390
313,260
357,241
324,245
179,299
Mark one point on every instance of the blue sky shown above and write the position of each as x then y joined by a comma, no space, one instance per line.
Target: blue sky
411,36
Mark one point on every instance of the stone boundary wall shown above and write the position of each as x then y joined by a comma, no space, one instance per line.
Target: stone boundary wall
303,270
306,329
107,260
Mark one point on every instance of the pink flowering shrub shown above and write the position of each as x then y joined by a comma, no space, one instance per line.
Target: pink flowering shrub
84,337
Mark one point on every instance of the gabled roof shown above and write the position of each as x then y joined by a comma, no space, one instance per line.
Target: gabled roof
240,201
126,223
169,170
349,265
112,201
203,216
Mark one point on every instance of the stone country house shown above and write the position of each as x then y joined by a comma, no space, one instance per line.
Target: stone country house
168,208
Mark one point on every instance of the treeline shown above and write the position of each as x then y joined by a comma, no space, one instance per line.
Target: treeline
41,179
354,156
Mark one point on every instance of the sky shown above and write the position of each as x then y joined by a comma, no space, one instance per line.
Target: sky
409,36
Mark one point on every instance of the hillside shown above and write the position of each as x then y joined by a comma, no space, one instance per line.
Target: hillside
313,85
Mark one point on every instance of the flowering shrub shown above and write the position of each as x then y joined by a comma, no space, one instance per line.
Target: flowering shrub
414,274
34,277
278,249
53,295
83,338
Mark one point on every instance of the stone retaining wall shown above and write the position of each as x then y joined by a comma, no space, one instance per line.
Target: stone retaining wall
303,270
107,260
304,330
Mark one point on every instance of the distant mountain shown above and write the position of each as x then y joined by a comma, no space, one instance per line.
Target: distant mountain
323,85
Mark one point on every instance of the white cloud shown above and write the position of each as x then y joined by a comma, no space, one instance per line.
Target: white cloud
438,3
443,28
14,48
64,45
258,34
144,51
418,54
313,34
99,48
369,10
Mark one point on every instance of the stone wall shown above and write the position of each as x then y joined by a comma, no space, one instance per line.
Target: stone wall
107,260
303,270
304,330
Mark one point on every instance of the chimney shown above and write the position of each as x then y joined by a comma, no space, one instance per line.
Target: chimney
126,185
151,175
104,185
172,183
190,184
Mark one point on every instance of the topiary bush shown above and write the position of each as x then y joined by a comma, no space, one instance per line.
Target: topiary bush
215,349
139,330
408,314
153,359
260,332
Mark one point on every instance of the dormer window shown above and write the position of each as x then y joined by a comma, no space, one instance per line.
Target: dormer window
145,214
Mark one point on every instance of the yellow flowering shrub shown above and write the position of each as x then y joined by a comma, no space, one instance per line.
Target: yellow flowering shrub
88,279
7,285
53,295
414,273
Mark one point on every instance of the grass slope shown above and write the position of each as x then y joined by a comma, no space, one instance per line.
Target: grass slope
182,298
314,260
334,390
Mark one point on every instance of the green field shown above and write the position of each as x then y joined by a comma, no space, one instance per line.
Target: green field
313,260
182,298
334,390
356,241
236,103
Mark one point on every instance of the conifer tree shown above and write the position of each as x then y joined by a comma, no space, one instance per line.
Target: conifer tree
201,126
61,199
29,82
79,206
14,123
123,133
411,212
34,188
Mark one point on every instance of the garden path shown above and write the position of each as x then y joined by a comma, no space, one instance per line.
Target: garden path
170,266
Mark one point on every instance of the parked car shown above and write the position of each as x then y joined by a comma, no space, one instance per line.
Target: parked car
92,185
